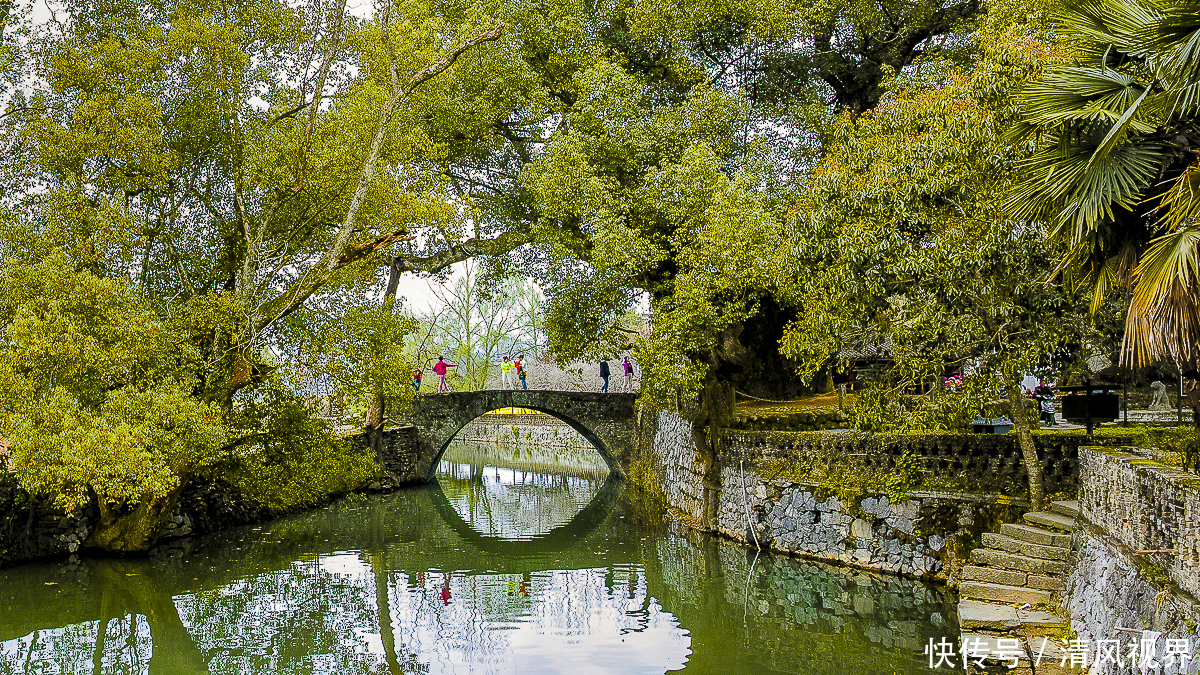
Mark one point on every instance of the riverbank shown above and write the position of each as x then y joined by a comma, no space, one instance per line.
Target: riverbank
907,504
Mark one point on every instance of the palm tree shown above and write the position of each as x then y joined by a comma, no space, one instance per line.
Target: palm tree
1115,167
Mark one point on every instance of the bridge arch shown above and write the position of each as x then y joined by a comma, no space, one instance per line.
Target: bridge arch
607,421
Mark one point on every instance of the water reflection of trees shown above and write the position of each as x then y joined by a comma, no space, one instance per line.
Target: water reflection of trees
390,586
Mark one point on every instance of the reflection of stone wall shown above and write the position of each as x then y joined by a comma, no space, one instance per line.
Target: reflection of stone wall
808,617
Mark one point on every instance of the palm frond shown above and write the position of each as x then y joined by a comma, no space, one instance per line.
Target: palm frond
1164,311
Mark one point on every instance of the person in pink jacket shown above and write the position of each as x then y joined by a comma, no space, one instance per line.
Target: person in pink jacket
440,368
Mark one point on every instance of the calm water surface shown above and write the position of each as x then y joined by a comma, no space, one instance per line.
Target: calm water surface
506,565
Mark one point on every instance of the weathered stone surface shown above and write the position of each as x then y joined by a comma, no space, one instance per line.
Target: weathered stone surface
1032,620
1107,591
1035,535
1047,519
1003,543
1069,509
979,614
993,575
1002,593
1044,582
1018,562
1145,506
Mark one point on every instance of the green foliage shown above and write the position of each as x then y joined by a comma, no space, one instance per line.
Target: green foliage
1181,442
284,459
97,390
878,409
1112,170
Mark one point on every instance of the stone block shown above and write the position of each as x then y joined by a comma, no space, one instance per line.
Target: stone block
1045,582
1053,520
1002,593
1069,509
985,615
1018,562
1003,543
861,529
1035,535
993,575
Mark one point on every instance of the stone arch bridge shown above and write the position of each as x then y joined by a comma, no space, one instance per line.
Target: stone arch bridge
607,420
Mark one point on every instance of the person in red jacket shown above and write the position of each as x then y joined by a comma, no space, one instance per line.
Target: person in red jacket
440,368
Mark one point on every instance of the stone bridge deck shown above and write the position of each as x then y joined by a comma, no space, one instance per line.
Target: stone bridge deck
607,420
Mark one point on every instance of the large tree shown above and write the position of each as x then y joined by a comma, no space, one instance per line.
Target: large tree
217,167
904,233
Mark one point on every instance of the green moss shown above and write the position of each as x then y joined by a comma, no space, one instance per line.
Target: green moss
1151,572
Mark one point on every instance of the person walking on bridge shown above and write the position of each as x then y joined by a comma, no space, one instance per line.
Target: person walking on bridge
440,368
519,364
604,374
506,367
628,367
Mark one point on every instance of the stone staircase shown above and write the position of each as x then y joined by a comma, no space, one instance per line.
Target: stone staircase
1023,564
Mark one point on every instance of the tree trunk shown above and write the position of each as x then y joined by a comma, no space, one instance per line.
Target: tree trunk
1022,424
137,529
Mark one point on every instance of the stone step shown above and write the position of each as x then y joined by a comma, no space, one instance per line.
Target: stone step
1037,622
1020,563
994,575
1046,583
1069,509
1035,535
979,590
977,614
980,615
1052,520
978,648
1010,545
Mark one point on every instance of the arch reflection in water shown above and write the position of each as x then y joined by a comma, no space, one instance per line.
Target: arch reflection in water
522,495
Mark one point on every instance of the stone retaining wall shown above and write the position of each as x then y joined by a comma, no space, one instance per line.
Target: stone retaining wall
1146,507
1130,505
921,534
1107,591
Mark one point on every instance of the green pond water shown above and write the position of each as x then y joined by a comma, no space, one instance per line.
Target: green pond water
505,565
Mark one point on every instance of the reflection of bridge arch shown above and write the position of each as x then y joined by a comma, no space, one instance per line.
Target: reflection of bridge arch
559,539
606,420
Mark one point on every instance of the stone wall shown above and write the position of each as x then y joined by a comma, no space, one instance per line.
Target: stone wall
521,431
917,531
915,535
32,529
1146,507
944,462
1132,506
679,466
1107,591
